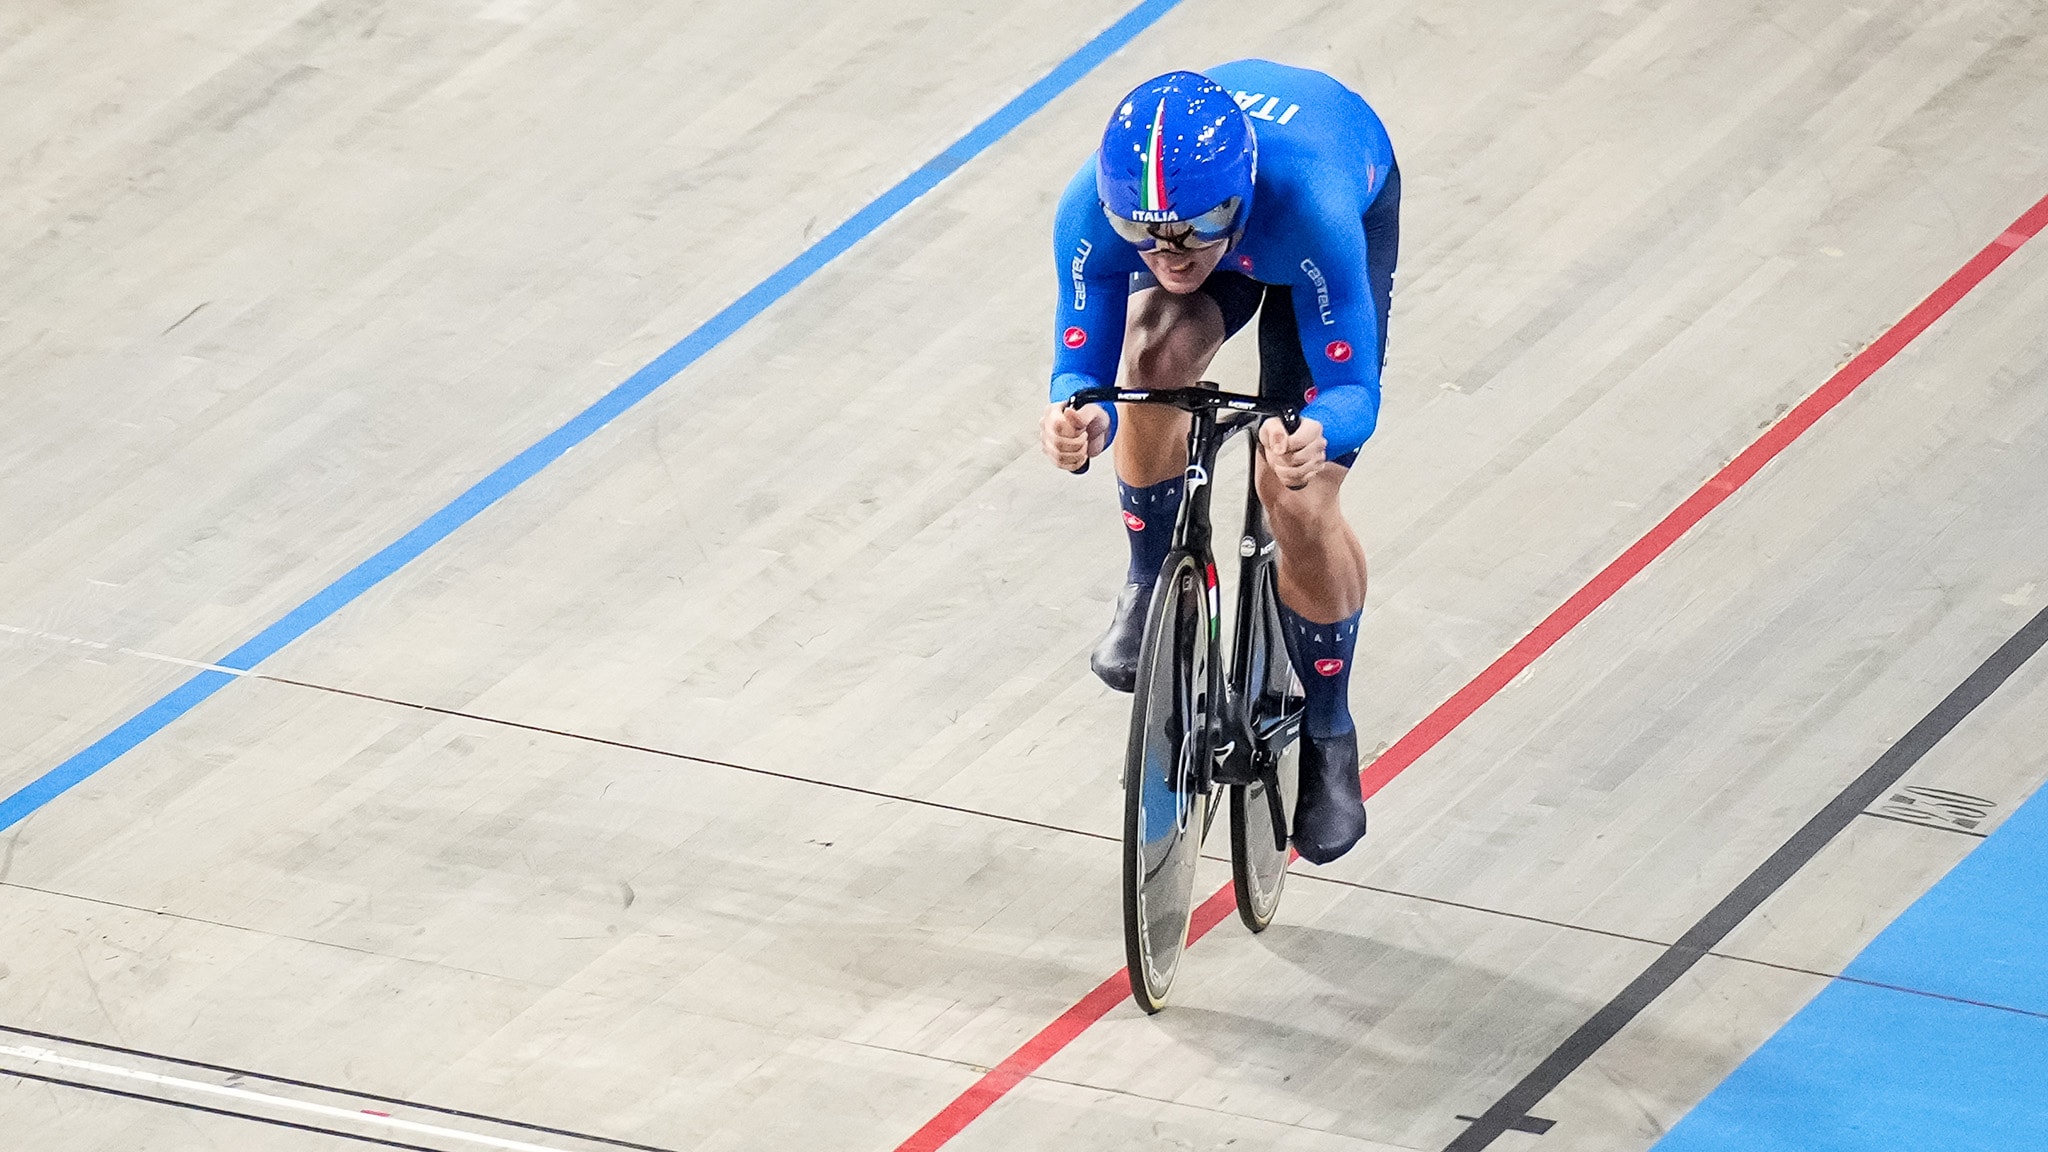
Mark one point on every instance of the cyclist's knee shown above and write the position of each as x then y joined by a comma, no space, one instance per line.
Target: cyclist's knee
1171,339
1314,509
1174,358
1151,445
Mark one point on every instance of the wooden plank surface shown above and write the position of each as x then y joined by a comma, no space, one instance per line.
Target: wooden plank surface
280,280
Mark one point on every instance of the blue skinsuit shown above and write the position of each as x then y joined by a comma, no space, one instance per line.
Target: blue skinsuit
1323,158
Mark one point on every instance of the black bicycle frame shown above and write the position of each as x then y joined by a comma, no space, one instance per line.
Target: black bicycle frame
1247,736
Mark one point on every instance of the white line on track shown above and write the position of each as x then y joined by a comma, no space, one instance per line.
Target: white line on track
96,645
353,1115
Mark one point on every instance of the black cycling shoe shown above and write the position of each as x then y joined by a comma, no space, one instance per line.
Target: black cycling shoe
1116,654
1329,816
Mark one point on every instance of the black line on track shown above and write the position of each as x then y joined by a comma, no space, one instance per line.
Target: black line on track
1757,887
672,755
350,1093
190,1107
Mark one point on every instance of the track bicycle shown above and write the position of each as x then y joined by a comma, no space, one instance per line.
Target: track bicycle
1196,728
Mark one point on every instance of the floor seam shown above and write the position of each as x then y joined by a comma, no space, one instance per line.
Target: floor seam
792,777
274,935
1129,1094
670,754
456,713
1525,917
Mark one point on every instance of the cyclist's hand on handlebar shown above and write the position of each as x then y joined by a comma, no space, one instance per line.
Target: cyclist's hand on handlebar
1071,436
1295,456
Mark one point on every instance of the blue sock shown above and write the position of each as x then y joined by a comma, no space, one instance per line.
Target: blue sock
1149,514
1322,659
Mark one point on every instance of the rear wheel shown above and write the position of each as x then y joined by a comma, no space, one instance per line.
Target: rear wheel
1258,850
1166,799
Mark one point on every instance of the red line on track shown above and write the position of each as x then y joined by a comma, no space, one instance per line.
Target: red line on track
1445,719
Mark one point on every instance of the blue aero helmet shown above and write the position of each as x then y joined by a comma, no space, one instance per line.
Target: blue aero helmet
1177,164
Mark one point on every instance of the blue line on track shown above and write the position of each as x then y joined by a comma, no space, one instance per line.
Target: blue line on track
613,404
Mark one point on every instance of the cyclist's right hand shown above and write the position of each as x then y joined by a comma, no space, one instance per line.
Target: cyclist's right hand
1071,436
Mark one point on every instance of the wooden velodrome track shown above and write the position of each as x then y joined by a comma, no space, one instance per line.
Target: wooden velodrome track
736,781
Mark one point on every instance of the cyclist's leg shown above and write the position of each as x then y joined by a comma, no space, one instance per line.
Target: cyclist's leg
1168,343
1322,584
1322,565
1322,593
1326,582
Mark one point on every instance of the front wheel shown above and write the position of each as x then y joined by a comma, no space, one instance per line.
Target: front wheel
1166,789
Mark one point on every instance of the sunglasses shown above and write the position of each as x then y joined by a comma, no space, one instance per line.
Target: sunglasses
1200,232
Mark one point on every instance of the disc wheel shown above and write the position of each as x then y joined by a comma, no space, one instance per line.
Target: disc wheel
1259,858
1166,798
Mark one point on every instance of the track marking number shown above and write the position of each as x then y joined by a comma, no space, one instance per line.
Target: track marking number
1939,808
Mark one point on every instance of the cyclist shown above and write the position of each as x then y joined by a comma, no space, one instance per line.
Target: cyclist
1255,188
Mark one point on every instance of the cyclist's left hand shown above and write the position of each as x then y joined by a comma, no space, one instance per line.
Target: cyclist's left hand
1296,458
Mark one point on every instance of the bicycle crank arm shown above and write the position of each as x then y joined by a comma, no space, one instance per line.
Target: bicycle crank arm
1273,736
